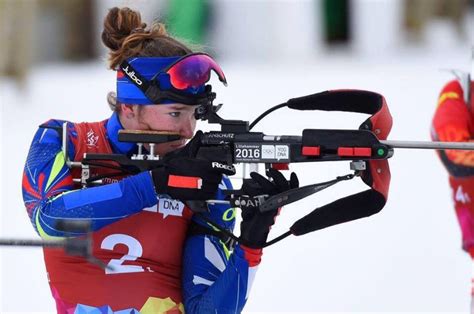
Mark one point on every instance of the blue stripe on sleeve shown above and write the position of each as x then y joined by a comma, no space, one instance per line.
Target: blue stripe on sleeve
103,205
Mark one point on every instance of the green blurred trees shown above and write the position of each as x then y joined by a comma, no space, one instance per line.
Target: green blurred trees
187,19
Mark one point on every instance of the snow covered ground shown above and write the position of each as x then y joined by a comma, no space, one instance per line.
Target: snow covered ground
405,259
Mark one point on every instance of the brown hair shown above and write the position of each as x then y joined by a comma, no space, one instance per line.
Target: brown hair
127,36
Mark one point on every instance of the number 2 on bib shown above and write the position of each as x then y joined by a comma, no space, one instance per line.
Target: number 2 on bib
115,266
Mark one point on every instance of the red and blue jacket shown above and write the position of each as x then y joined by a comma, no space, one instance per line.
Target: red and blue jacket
156,266
453,121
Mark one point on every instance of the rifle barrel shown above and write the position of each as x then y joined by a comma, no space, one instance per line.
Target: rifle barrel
430,145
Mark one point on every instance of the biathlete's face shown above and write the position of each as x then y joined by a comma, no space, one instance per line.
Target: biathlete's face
175,118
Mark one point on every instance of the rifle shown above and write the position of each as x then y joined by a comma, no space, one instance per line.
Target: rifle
366,149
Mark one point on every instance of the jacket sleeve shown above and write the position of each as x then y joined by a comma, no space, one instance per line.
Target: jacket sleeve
452,123
216,280
48,192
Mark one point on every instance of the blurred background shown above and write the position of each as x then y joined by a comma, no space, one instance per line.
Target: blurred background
408,258
36,32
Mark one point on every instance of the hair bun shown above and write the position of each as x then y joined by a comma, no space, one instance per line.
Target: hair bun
125,35
120,23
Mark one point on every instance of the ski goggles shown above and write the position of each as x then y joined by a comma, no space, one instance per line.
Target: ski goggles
153,80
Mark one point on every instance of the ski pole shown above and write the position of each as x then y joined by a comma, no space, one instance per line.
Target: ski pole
471,74
72,246
28,242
